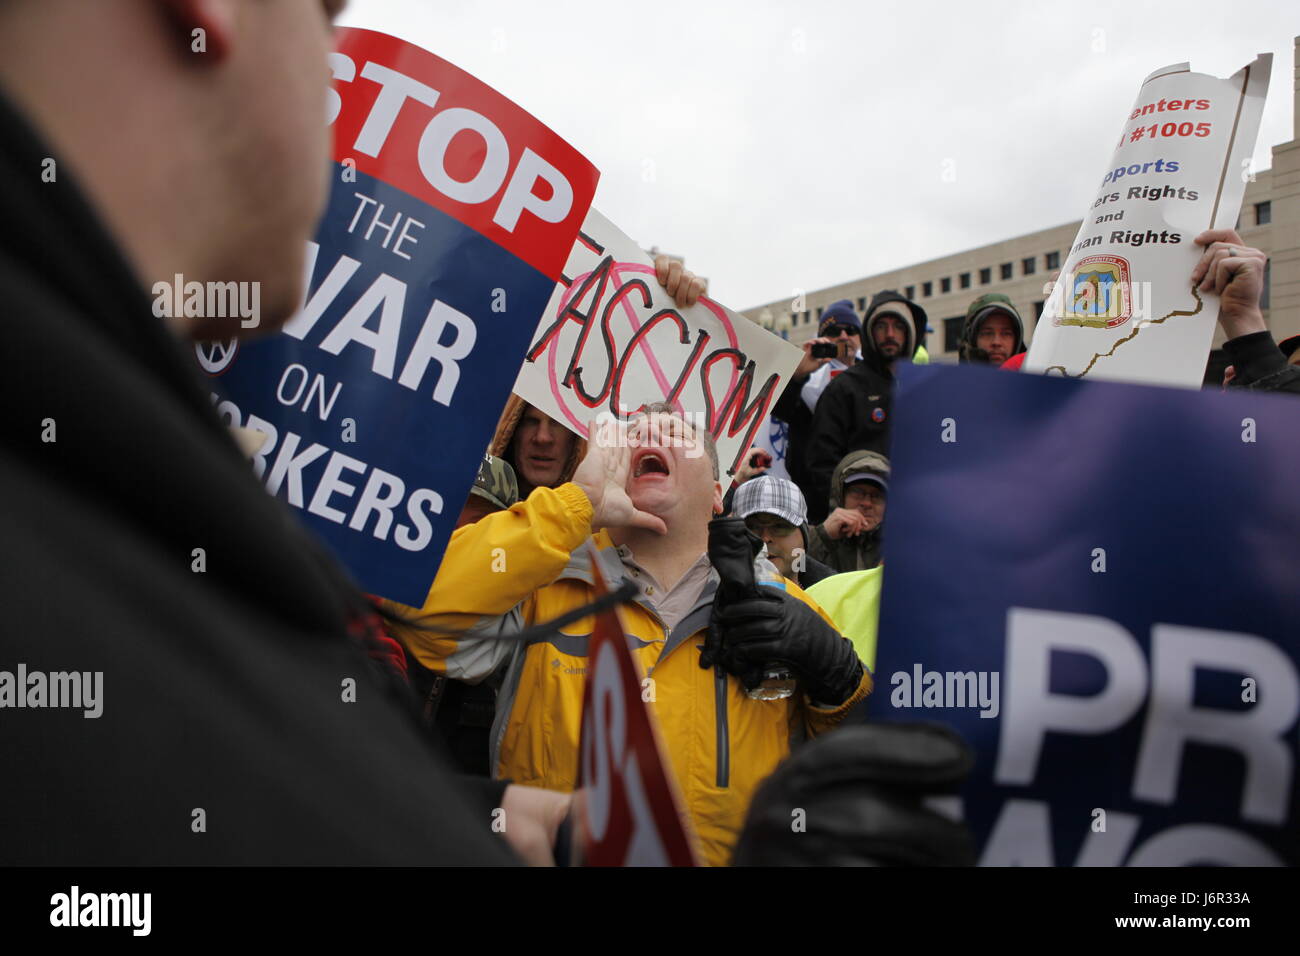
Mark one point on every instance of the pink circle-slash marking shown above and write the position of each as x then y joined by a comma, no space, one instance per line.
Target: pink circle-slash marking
655,368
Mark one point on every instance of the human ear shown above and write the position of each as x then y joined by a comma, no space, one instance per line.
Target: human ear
208,26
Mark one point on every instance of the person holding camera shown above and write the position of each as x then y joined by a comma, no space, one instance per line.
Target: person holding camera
837,346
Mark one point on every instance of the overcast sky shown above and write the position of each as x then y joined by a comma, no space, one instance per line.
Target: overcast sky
792,145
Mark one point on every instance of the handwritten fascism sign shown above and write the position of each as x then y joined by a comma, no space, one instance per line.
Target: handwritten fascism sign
1113,627
1124,307
425,283
627,806
612,341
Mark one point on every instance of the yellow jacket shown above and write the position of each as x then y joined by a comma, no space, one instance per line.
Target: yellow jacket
522,567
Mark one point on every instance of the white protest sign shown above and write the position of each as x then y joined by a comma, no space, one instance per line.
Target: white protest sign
1124,307
611,340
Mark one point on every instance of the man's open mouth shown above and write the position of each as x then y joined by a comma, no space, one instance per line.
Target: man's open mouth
650,463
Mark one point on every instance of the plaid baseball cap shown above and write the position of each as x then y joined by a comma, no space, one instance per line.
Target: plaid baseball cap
496,482
771,495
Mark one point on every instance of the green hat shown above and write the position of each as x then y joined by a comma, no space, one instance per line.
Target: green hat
989,302
980,310
496,482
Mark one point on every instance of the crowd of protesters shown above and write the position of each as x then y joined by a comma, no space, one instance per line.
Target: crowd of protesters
839,413
226,676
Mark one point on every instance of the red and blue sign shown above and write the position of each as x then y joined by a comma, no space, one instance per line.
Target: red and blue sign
1098,586
451,216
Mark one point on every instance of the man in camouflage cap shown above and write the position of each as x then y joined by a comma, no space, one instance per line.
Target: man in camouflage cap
495,489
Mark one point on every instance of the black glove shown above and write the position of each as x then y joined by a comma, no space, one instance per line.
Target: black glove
754,626
772,627
858,793
732,549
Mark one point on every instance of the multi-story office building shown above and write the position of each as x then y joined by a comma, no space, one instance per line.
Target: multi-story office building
1019,267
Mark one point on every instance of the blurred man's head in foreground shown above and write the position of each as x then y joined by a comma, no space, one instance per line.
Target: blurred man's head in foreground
195,127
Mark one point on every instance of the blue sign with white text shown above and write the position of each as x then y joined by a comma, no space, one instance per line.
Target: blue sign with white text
380,396
1098,586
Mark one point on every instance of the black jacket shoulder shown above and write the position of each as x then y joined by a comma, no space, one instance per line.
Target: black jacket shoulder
853,415
138,545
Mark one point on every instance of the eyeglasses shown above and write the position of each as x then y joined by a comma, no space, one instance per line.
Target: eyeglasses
760,523
863,490
837,330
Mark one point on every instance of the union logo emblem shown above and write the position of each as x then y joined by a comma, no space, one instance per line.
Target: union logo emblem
215,357
1099,293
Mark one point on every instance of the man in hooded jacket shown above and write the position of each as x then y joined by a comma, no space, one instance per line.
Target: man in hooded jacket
993,331
854,412
850,537
542,452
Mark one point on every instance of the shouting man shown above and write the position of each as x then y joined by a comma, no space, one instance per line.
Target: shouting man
653,486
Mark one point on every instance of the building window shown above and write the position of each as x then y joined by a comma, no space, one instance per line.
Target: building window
945,284
952,332
1263,213
910,292
927,289
862,303
1263,296
819,313
807,317
1053,260
1038,311
1028,266
986,276
794,319
1006,271
964,280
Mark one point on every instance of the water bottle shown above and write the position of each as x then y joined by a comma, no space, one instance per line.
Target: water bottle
778,680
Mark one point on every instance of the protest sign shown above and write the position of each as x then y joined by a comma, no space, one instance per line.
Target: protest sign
774,438
611,341
1103,602
448,222
627,806
1124,306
